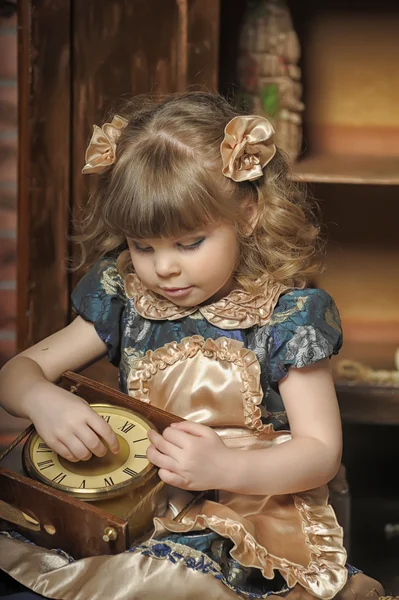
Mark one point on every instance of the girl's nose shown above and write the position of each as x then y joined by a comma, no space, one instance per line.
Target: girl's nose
166,267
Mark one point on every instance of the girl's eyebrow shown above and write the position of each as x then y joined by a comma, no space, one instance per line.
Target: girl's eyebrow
191,234
140,242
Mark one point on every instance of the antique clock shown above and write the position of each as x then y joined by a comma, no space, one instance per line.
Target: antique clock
100,506
99,478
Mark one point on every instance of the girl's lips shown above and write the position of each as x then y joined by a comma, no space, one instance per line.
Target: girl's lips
177,291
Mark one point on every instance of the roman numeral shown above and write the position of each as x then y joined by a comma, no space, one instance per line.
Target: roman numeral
130,472
59,478
140,456
108,482
140,440
83,485
126,427
45,464
43,448
106,418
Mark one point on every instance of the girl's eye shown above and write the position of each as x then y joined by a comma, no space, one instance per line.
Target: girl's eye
191,246
140,249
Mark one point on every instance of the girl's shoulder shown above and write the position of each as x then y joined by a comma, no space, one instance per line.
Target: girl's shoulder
307,304
305,327
310,308
100,298
102,279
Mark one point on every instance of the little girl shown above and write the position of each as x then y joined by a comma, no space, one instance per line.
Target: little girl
202,245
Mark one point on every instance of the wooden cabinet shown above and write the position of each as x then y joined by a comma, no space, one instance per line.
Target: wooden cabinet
350,155
351,83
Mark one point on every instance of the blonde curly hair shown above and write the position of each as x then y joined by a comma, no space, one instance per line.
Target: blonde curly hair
167,179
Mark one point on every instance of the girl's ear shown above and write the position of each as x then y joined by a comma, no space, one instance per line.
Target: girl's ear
250,214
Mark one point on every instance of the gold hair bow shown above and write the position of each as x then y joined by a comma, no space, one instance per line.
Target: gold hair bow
100,152
247,147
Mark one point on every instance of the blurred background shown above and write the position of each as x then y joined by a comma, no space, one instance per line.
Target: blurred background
326,74
8,192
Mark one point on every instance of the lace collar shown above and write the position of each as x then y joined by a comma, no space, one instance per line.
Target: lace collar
238,310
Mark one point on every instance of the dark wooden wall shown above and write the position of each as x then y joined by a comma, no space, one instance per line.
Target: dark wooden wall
8,179
44,167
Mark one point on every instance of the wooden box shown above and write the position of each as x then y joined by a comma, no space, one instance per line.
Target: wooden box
54,519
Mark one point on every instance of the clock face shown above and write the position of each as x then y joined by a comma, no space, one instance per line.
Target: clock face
98,477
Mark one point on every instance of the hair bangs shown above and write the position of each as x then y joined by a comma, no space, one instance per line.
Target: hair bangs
165,194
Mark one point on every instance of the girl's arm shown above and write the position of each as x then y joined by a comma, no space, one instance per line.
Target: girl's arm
65,422
192,456
313,456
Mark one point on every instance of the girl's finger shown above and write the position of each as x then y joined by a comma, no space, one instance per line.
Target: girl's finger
76,447
102,429
91,441
165,446
160,460
173,479
62,450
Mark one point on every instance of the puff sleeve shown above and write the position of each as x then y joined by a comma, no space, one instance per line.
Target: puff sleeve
100,298
305,328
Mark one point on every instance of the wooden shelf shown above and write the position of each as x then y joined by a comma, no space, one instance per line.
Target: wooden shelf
364,403
330,168
370,405
377,354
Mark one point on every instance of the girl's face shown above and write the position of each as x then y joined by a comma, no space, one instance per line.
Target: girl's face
191,269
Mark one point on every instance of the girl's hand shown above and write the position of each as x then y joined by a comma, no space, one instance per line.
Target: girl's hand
190,456
68,425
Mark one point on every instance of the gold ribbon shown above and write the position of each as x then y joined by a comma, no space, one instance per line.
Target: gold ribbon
248,146
100,152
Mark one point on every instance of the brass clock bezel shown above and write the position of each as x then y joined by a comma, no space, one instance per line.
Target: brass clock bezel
92,494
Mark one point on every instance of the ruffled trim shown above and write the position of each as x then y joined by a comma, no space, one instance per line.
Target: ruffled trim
242,310
324,576
239,309
222,348
152,306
